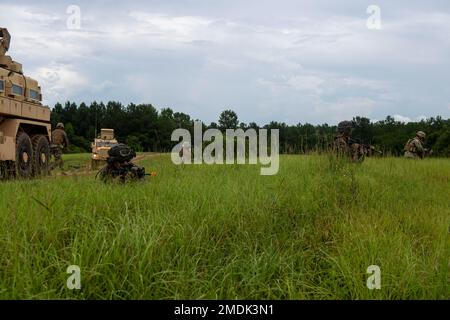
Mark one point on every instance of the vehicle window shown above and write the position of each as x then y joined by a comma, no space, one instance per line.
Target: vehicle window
34,94
17,90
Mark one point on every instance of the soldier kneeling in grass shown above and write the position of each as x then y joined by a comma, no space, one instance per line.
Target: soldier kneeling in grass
119,166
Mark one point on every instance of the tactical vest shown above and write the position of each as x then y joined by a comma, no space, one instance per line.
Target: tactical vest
409,146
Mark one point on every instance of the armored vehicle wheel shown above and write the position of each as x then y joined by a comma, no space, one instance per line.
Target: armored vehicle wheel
41,151
24,156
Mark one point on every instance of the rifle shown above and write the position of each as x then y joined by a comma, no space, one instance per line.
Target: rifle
368,148
427,152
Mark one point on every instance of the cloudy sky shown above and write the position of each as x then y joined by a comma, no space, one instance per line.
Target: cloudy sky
284,60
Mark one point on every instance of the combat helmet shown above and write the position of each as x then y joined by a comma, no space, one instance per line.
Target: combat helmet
421,134
345,126
60,125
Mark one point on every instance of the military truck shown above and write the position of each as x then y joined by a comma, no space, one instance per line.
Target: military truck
25,128
101,146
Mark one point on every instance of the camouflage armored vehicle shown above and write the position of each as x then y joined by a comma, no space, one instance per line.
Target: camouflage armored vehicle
101,146
25,128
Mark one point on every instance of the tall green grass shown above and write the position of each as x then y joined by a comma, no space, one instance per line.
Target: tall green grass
226,232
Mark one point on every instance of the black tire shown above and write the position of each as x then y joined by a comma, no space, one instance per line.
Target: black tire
41,151
24,156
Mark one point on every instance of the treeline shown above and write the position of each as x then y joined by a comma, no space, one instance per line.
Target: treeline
145,128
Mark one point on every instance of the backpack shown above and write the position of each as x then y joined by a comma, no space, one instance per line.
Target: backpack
121,153
408,146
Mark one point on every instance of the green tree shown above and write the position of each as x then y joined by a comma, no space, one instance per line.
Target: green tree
228,120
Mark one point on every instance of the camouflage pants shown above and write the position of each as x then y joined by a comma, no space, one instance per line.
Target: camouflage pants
411,155
355,152
56,151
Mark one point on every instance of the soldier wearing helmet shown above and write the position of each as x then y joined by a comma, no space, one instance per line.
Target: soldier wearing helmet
414,148
59,142
344,145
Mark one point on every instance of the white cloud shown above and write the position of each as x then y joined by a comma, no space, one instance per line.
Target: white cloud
345,108
305,83
401,118
60,82
421,117
181,28
405,119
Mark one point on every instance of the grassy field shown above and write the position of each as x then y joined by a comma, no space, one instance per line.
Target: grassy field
208,232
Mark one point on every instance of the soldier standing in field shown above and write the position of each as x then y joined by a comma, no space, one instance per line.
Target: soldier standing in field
344,145
414,148
59,142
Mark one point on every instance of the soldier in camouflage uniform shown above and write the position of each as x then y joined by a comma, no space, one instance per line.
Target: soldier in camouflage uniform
414,148
119,166
59,142
344,145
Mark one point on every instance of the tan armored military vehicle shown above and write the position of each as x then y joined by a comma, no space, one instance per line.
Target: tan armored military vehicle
101,146
24,122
